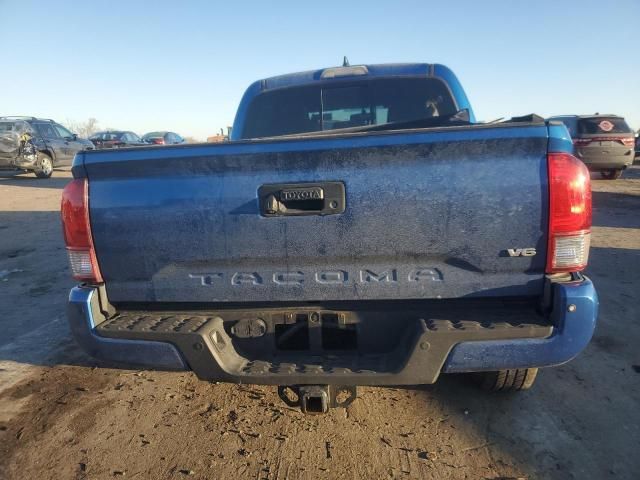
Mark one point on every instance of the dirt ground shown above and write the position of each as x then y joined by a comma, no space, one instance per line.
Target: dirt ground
64,417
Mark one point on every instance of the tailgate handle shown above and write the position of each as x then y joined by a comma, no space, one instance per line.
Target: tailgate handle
296,199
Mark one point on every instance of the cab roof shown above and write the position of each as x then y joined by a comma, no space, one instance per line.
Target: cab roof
375,70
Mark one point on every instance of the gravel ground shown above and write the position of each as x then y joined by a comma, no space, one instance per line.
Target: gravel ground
62,416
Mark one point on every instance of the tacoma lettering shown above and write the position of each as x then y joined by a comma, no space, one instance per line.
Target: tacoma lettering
323,277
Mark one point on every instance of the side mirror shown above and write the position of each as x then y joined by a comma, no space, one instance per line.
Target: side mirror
74,136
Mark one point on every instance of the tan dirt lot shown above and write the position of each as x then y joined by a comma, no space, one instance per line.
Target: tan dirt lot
64,417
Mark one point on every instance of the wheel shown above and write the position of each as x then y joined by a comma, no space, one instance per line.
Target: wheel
45,166
611,174
508,380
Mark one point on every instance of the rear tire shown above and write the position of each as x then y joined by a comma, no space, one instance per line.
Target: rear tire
611,174
508,380
45,166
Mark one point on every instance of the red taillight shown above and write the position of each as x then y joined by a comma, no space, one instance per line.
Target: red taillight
158,141
77,231
581,142
628,142
569,214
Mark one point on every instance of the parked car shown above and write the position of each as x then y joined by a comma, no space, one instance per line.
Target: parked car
163,138
38,145
351,246
605,143
638,146
116,139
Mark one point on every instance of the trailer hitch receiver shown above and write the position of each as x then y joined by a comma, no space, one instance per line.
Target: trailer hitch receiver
317,399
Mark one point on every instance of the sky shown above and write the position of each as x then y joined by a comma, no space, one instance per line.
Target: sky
183,66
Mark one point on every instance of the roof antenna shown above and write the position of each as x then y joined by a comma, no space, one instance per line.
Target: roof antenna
345,62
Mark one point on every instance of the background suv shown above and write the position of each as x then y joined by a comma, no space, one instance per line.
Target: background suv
605,143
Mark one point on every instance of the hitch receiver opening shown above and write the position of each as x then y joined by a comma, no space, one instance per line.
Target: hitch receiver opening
317,399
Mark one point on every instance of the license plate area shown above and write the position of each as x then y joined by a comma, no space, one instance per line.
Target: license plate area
312,331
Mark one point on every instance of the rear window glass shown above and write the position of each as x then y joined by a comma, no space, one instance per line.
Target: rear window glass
314,108
599,125
106,136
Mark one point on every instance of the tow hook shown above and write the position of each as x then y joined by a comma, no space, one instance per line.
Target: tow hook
317,399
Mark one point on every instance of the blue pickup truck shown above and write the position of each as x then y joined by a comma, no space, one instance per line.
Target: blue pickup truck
361,228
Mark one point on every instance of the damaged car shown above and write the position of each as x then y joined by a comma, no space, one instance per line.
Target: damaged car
18,152
29,144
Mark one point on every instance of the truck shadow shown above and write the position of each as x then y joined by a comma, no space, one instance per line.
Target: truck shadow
30,181
510,432
34,284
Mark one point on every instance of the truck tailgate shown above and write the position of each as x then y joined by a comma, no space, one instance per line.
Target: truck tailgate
427,214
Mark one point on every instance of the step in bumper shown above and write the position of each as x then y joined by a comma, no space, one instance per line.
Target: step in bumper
198,341
83,311
574,315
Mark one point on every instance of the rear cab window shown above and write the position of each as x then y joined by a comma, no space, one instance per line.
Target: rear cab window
313,108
